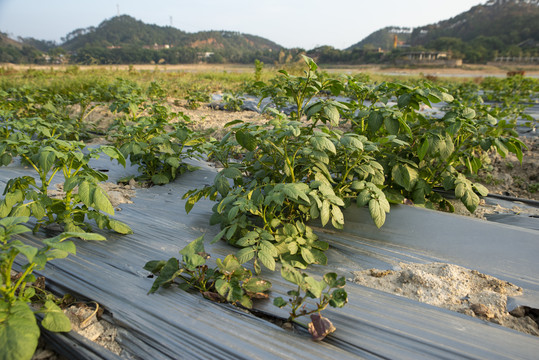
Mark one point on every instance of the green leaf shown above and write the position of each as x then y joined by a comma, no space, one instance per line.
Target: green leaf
339,298
491,120
154,266
5,159
233,122
322,143
375,121
120,227
335,200
173,162
160,179
423,149
13,198
307,255
19,332
468,113
114,153
291,274
70,183
83,236
267,259
501,148
55,320
460,190
337,214
315,287
279,302
377,212
404,175
482,190
404,100
26,250
46,161
85,193
325,212
247,140
14,223
363,198
332,113
67,246
269,248
319,257
447,148
222,185
256,285
392,125
219,236
194,247
246,254
166,275
231,173
322,245
192,261
515,148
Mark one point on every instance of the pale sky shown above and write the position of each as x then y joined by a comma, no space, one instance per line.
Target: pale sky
290,23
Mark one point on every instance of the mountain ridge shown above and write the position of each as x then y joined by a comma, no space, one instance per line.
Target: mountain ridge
482,25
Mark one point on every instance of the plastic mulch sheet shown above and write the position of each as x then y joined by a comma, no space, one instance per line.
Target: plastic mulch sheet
174,324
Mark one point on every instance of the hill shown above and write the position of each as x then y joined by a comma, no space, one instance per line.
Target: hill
509,21
7,41
508,28
123,39
496,28
12,51
384,38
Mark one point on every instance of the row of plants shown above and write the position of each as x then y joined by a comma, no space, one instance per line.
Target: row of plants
43,132
344,141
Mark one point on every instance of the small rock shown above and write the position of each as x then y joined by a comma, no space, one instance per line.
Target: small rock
93,331
288,326
482,310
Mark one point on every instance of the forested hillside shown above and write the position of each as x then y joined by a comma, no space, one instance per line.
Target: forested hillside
498,28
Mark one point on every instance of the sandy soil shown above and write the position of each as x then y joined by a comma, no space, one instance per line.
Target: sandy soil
455,288
467,70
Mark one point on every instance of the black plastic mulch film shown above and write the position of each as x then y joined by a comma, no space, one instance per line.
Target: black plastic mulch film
173,324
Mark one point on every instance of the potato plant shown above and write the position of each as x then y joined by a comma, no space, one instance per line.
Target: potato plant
228,282
43,114
265,211
83,200
154,138
19,331
430,152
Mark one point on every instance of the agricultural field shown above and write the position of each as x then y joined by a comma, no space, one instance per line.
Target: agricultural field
291,150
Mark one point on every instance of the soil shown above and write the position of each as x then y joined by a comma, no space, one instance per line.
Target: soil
87,322
455,288
467,70
118,193
508,177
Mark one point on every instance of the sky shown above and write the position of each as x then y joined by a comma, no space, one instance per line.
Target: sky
291,23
